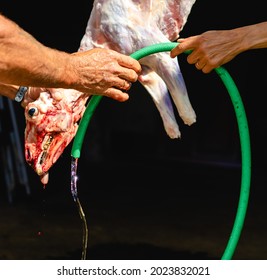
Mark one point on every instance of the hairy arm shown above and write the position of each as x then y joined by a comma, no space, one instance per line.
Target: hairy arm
8,90
25,61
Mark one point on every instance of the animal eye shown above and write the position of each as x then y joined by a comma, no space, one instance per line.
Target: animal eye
32,112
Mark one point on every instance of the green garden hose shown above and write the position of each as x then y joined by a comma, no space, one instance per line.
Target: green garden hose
243,133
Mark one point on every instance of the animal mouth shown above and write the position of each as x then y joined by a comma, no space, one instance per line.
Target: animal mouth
48,152
47,143
43,156
39,156
43,164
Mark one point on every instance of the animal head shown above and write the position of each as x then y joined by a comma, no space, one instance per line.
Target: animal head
51,124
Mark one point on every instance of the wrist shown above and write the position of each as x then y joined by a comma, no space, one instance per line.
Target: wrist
20,94
8,90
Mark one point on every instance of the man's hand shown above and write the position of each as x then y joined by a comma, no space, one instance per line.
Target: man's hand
105,72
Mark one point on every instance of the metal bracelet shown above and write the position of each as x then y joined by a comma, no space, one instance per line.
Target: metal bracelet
20,94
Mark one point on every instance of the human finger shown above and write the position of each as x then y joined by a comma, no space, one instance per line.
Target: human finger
31,95
117,94
129,62
121,83
199,65
207,69
128,74
193,57
184,44
126,85
180,48
204,67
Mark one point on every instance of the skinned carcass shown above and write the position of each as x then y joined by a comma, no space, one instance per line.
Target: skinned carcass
127,26
124,26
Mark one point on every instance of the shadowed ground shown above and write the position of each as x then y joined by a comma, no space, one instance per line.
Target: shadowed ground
150,211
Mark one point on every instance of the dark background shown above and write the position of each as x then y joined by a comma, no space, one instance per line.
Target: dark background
146,196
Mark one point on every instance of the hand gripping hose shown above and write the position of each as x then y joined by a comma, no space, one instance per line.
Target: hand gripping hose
243,133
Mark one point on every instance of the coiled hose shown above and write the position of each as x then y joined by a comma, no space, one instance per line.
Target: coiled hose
243,133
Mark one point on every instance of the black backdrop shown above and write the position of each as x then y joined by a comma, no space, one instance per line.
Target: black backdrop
133,131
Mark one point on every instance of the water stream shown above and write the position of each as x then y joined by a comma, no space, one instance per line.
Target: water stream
74,192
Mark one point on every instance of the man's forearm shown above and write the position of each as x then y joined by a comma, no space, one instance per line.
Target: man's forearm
26,61
254,36
9,91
